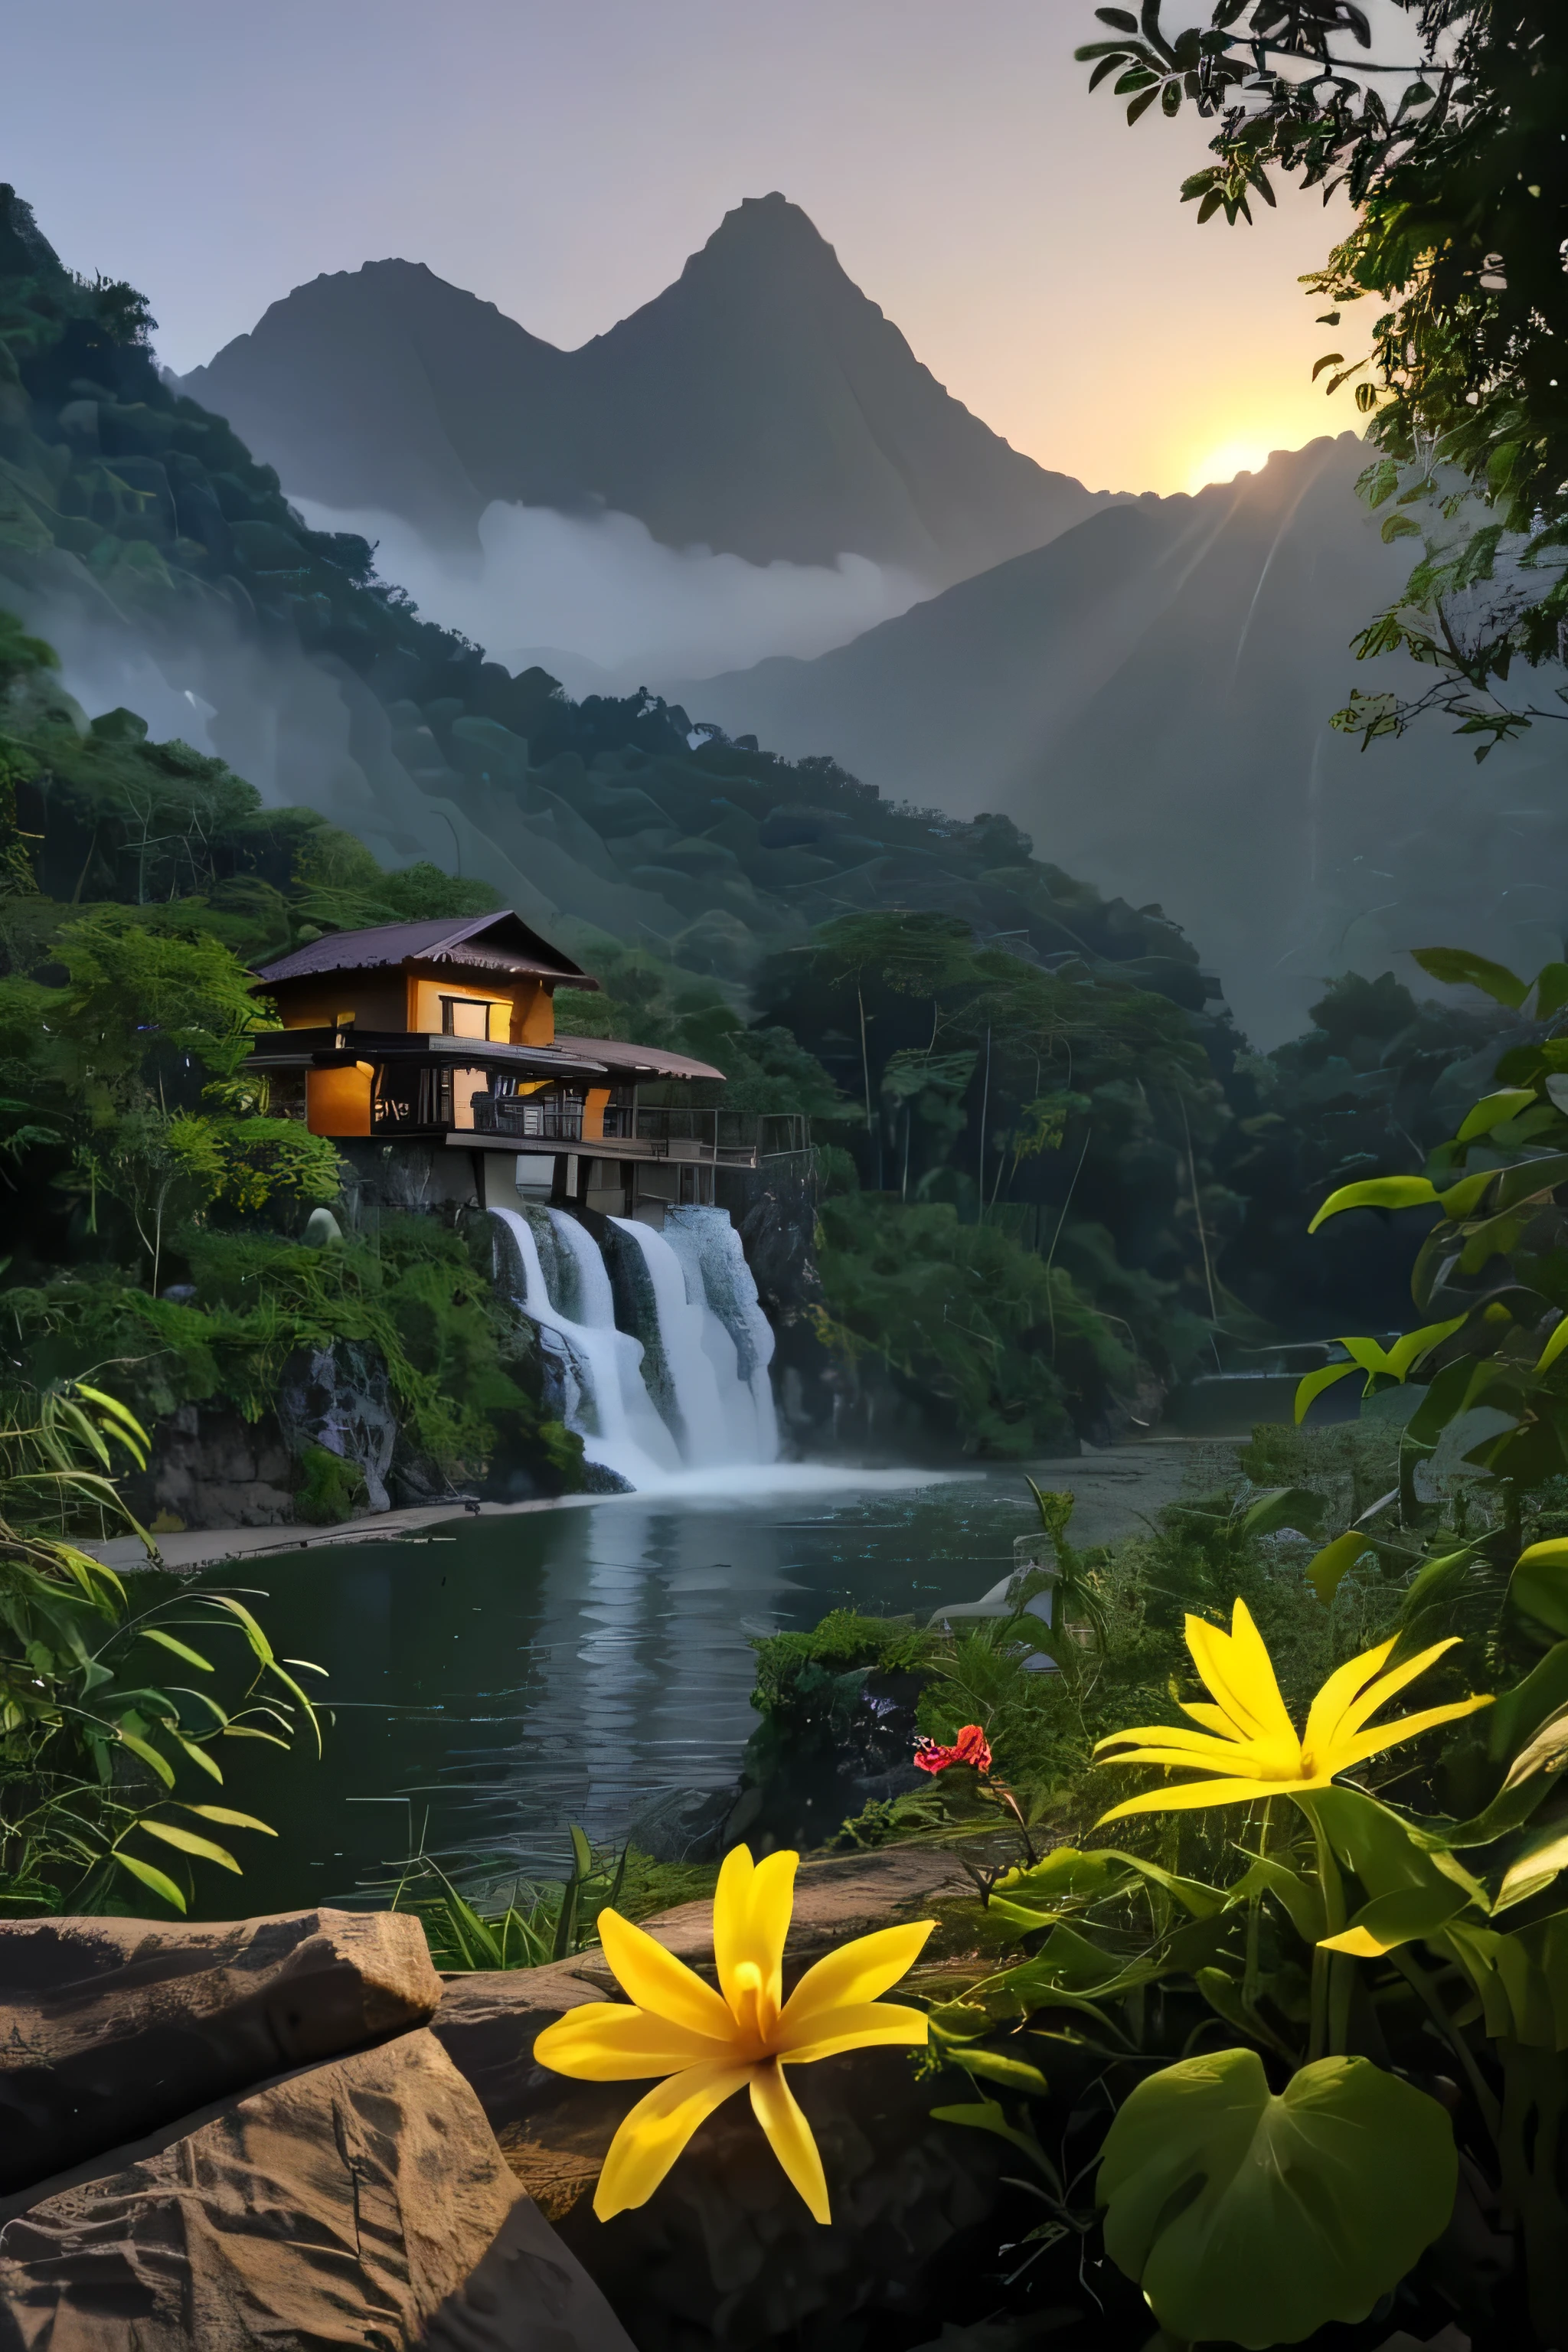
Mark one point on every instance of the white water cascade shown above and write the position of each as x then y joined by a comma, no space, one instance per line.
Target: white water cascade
659,1344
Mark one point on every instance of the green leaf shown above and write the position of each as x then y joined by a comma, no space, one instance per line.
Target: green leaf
1316,1382
1223,1994
149,1876
1539,1585
1257,2218
1284,1506
1542,1858
229,1819
1378,1193
986,2115
1492,1109
1199,1900
1406,1916
1407,1351
181,1650
1460,1200
1334,1562
1386,1857
1013,2073
1551,990
149,1755
1458,968
1546,1751
1063,1875
198,1756
189,1842
1553,1348
1301,1898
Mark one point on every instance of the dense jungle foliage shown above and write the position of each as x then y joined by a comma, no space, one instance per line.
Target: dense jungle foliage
1047,1189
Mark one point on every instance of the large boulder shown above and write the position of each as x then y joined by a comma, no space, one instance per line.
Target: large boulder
114,2027
361,2203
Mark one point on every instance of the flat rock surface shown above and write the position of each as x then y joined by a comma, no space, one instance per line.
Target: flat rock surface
361,2203
111,2028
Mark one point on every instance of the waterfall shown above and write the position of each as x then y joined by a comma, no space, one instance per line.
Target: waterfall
660,1344
606,1401
736,1334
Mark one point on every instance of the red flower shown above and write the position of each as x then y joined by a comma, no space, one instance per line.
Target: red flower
971,1746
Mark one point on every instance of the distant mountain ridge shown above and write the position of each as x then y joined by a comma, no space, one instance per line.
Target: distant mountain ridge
762,406
1149,695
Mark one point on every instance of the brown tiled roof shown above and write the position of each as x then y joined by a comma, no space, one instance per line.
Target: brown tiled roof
623,1061
495,943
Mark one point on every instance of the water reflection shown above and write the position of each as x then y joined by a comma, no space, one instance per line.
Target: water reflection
496,1683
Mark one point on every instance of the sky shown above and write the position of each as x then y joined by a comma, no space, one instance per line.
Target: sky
560,158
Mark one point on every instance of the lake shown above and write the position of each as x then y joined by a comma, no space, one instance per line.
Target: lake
497,1679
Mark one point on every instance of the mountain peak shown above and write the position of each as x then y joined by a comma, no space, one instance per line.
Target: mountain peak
760,406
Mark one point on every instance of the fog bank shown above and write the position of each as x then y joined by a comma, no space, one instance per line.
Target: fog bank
600,587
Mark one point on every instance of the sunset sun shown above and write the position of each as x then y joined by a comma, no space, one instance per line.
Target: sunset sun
1226,459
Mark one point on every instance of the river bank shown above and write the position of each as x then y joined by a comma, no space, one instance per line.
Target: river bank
1114,1488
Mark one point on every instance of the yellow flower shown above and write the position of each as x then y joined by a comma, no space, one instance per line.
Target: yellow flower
710,2045
1249,1738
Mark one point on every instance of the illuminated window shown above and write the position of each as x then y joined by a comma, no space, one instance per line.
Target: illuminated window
464,1016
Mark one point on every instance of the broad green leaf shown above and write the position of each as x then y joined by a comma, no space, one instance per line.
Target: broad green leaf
1063,1875
1313,1385
1407,1916
1492,1109
1546,1751
1523,1711
1408,1352
1256,2219
156,1879
1284,1506
1334,1562
1544,1855
1522,1977
1529,1178
206,1849
1378,1193
1539,1585
1551,990
1013,2073
181,1649
1458,968
1460,1199
1553,1348
1386,1857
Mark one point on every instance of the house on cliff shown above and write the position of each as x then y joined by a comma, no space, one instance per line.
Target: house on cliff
428,1052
